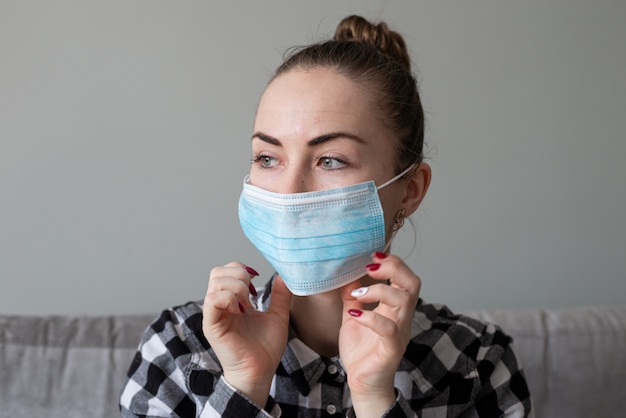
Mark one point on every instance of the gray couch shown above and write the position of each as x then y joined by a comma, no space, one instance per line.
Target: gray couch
575,361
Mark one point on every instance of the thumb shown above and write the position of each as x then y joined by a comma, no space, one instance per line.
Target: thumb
280,301
349,301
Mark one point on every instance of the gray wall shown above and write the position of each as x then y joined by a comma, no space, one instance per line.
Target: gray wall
125,126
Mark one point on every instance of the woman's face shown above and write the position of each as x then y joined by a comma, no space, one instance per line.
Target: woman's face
316,130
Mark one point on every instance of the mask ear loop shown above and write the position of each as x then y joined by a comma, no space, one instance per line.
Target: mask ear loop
387,183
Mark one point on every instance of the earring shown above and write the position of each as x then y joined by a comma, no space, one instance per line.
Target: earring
398,222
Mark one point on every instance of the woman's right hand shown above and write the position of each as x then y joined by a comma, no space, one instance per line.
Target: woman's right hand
249,344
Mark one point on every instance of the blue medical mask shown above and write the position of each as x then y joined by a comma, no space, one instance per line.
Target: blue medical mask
317,241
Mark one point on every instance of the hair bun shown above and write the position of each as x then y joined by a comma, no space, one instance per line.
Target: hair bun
388,42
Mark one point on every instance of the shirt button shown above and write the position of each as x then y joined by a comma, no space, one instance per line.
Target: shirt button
331,409
332,369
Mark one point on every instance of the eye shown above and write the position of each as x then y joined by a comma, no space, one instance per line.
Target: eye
265,161
331,163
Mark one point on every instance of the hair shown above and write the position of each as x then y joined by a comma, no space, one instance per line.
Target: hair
376,56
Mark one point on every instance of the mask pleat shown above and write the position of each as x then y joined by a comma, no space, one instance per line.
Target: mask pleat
316,241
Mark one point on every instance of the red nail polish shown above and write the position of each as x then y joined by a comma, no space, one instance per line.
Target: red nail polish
380,254
252,290
241,308
252,272
355,312
372,267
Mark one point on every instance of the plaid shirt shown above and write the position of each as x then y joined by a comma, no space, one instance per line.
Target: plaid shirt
454,366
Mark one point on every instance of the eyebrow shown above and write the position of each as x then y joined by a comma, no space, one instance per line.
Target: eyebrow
313,142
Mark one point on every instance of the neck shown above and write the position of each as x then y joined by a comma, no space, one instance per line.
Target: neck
317,320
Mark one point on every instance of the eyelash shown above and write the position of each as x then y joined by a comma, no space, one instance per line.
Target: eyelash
329,157
257,158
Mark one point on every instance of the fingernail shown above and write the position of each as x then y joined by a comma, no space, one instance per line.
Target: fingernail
380,254
372,267
355,312
252,290
252,272
241,308
359,292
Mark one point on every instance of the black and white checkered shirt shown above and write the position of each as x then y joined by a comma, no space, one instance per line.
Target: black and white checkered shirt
454,366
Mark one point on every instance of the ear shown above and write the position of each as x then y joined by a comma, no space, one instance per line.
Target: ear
416,187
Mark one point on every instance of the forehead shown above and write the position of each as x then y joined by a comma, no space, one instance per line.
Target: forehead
307,98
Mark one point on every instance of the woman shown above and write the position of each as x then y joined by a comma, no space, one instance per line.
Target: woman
340,329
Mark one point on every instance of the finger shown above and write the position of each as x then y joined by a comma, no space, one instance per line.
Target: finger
237,278
379,324
382,294
231,281
395,304
394,269
349,300
233,270
250,273
219,303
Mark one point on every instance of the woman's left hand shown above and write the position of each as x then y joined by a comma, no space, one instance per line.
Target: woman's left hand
372,342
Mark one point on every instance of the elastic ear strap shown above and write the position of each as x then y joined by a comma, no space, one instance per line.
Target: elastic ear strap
409,168
393,235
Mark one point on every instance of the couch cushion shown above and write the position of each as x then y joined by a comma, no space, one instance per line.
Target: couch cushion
65,367
574,358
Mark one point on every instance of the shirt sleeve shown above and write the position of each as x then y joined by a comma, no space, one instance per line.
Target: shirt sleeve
175,374
156,383
400,409
227,401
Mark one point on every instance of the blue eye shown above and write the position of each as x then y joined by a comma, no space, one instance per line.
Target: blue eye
264,161
331,163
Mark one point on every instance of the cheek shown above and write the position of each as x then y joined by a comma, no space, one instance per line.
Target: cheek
390,198
259,178
389,222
